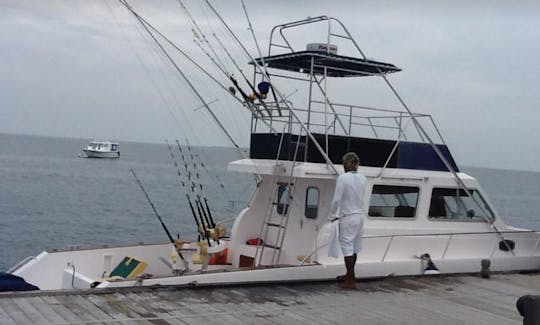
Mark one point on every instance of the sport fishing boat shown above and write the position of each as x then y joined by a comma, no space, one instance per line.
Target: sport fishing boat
423,214
102,149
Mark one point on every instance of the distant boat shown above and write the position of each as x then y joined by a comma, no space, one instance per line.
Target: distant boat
102,149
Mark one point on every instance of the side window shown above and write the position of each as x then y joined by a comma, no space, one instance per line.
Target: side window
312,202
455,205
282,199
388,201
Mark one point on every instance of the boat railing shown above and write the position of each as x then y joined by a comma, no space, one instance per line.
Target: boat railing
392,241
348,120
453,237
20,264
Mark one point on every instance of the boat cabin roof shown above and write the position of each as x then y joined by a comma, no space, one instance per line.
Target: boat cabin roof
321,171
336,65
103,142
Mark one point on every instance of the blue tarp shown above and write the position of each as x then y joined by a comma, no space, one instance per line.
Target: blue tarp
10,282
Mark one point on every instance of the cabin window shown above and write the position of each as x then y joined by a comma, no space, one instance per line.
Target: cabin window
454,204
283,199
312,202
389,201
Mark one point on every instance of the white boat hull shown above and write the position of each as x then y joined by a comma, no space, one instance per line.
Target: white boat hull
101,154
382,257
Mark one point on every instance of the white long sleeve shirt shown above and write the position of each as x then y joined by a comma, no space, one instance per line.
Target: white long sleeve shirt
349,195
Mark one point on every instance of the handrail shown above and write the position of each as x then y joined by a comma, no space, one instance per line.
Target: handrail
457,233
21,263
450,234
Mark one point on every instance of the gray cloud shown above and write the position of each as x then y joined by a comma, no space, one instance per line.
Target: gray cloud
86,69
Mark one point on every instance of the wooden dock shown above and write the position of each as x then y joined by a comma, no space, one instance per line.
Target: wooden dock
463,299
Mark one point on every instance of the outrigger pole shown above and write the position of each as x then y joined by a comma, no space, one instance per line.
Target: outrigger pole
145,23
186,264
201,229
260,55
147,26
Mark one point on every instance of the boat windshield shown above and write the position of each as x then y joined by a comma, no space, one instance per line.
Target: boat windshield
454,204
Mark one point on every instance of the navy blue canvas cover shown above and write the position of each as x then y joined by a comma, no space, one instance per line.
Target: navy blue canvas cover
10,282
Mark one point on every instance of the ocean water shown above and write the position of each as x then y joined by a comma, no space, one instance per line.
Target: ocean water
52,198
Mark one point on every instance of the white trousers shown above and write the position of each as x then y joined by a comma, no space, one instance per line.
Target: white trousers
351,231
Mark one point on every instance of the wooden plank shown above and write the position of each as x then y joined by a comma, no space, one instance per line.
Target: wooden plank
91,309
30,311
15,312
104,302
60,309
4,317
45,310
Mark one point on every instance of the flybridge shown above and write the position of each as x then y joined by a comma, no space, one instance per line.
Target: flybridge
319,129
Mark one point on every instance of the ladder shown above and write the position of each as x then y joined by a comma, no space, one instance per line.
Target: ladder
275,224
281,208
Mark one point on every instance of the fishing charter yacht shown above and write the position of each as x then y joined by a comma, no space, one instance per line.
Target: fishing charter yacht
423,215
101,149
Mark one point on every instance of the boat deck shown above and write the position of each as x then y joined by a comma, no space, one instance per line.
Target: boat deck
457,299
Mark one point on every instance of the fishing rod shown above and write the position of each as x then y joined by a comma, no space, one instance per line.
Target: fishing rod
197,30
260,55
200,184
201,229
200,195
186,264
255,92
247,100
222,69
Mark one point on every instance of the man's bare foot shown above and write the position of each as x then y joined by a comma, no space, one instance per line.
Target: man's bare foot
340,278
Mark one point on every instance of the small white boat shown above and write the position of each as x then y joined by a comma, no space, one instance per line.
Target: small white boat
102,149
423,216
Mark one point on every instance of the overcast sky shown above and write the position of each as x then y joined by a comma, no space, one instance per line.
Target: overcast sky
85,69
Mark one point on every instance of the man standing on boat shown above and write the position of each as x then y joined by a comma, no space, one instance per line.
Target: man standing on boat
348,209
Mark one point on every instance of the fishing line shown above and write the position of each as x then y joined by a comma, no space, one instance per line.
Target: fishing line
201,228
